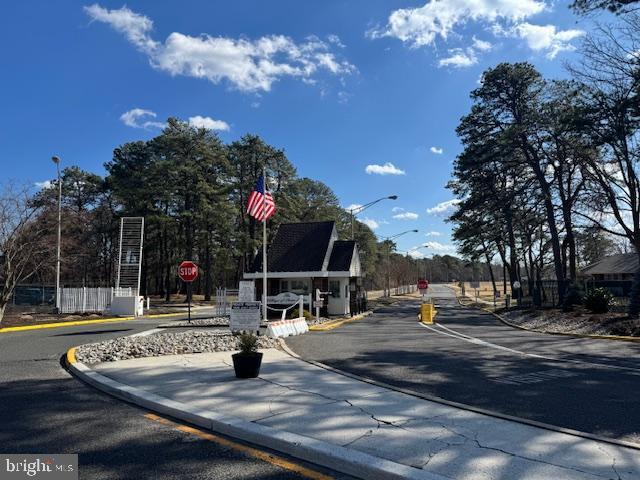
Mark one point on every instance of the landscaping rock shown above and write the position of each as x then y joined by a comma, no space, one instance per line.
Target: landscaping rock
163,344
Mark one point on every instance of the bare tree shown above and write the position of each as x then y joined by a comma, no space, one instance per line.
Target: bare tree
610,78
23,246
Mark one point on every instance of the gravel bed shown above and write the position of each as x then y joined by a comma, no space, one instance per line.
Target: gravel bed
160,344
198,322
580,322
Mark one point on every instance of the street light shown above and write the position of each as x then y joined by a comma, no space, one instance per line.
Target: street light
55,159
355,211
389,238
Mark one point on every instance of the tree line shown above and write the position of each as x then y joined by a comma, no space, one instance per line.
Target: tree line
548,177
192,190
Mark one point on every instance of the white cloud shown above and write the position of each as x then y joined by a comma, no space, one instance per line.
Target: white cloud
369,222
135,118
433,234
406,216
481,45
440,247
132,25
208,123
420,26
386,169
546,38
415,253
437,150
335,39
444,208
459,58
44,185
397,209
248,65
353,206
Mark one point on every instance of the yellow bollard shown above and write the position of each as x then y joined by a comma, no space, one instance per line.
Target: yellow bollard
427,313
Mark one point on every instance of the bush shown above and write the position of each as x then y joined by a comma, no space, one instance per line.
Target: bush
248,343
295,313
598,300
574,296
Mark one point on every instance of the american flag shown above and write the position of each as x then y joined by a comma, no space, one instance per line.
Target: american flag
261,205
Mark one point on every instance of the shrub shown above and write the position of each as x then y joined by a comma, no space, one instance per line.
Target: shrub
248,343
598,300
295,313
574,296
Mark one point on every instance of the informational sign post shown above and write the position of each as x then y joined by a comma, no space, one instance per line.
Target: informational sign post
245,316
246,291
188,272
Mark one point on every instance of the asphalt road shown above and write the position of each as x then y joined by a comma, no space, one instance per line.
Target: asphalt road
43,409
470,357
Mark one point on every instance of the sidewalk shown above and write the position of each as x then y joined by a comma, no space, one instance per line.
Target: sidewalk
414,438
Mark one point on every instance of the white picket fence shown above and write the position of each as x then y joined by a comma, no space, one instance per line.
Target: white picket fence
224,298
81,300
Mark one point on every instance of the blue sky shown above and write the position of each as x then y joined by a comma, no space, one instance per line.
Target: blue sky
345,87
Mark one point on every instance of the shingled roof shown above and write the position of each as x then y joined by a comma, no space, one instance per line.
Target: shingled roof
620,263
297,247
341,255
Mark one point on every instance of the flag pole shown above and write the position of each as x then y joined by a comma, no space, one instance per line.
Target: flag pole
264,244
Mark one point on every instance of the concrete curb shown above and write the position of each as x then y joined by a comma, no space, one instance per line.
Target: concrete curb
334,457
332,324
464,406
75,323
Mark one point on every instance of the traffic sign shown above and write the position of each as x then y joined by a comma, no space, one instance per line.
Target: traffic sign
188,271
423,284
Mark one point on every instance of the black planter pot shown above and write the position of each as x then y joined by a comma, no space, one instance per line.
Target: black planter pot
247,365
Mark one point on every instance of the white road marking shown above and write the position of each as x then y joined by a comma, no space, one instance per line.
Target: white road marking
477,341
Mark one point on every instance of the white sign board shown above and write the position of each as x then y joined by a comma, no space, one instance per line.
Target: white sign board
246,291
245,316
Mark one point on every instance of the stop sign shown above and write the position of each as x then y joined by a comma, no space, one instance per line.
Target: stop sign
423,284
188,271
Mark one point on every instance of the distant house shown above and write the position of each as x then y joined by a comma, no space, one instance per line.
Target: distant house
622,266
305,257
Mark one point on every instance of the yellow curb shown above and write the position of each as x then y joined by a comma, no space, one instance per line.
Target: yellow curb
324,327
251,451
84,322
622,338
71,356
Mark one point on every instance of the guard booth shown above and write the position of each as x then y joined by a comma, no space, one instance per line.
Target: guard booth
305,257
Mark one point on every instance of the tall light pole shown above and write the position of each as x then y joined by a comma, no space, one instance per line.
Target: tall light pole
355,211
56,160
388,240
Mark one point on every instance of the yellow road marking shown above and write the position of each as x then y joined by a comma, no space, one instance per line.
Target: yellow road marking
85,322
323,327
253,452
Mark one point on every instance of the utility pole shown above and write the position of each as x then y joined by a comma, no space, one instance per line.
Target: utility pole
56,160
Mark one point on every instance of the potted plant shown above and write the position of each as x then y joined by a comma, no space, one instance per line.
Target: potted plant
247,361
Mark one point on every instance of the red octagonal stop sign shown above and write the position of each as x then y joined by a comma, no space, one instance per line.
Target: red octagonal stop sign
188,271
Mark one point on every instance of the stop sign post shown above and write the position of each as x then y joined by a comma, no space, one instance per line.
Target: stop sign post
188,272
423,285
